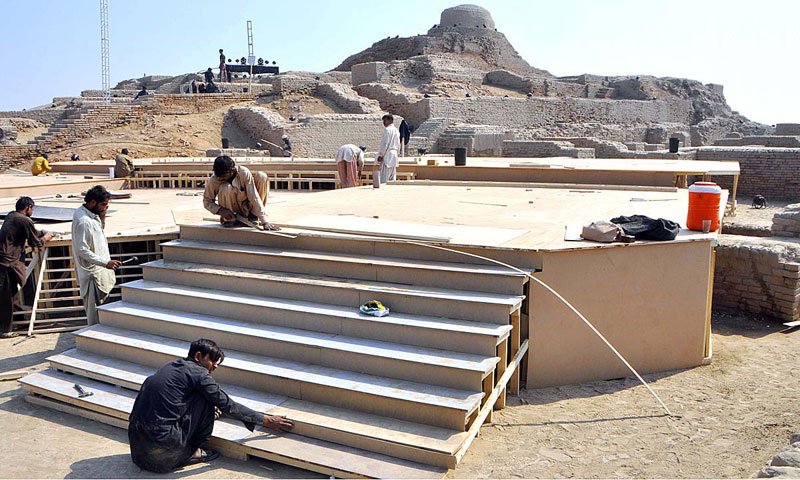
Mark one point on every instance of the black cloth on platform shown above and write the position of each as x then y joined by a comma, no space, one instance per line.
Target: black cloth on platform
646,228
174,414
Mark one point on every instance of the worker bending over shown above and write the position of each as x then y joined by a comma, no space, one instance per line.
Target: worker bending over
17,230
123,165
40,165
233,190
175,410
387,152
349,162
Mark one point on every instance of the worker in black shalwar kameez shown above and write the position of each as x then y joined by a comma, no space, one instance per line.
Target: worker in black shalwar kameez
17,230
174,413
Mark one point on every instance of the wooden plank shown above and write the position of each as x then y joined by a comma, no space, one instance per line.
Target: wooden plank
41,401
38,292
12,375
513,384
486,410
502,352
488,386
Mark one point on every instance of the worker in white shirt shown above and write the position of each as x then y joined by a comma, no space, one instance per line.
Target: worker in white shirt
387,152
349,162
93,263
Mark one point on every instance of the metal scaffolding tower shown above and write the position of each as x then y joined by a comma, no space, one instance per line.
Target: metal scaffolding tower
105,69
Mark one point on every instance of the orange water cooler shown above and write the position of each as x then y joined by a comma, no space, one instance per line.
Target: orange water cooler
704,198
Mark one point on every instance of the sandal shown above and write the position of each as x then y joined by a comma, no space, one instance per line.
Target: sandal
205,457
9,335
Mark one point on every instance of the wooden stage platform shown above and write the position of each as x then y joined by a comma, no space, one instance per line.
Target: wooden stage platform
402,395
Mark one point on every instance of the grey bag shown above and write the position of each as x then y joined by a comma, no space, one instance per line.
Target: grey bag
601,231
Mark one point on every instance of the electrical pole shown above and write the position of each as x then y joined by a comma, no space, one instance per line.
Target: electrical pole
251,58
104,57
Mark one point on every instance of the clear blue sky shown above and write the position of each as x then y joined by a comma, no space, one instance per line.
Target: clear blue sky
751,47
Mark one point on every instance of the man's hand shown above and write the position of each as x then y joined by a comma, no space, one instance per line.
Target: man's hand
269,227
113,264
227,215
217,413
48,236
277,422
379,159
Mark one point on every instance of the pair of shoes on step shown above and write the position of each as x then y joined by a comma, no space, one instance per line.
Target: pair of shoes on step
9,334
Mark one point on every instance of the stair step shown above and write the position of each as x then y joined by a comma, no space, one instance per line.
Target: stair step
405,362
411,401
314,420
290,448
462,276
351,244
467,305
432,332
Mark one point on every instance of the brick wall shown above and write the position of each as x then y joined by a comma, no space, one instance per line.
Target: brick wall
772,172
786,223
757,275
536,111
539,149
46,116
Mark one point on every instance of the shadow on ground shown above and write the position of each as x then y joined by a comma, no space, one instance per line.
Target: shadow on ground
25,360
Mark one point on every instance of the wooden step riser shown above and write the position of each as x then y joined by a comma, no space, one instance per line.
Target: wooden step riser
410,276
301,428
359,401
120,411
435,307
316,241
350,361
409,335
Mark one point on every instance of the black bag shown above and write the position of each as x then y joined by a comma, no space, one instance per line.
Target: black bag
646,228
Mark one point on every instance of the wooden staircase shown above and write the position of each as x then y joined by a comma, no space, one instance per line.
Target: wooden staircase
395,396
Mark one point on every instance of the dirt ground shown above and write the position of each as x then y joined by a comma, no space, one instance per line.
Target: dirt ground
750,220
731,417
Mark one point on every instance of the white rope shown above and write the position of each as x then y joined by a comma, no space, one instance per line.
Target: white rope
557,295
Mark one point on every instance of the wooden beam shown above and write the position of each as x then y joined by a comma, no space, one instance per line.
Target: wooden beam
502,352
513,384
39,280
12,375
488,386
486,410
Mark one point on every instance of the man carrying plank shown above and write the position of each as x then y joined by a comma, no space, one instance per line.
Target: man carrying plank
175,410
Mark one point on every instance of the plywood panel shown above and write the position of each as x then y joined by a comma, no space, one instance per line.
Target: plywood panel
650,302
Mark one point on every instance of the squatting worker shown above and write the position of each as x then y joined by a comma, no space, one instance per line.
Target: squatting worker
174,412
233,190
123,165
387,152
349,162
40,165
17,230
90,251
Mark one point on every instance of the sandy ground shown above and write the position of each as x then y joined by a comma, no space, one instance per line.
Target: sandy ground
732,416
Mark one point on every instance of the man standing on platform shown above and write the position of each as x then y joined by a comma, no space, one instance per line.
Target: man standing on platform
17,230
223,69
175,410
387,152
349,162
233,190
93,262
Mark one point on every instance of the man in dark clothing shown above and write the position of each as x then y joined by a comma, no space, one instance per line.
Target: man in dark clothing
405,136
209,75
142,93
123,165
17,230
174,413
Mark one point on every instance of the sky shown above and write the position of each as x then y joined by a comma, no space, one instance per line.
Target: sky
51,48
